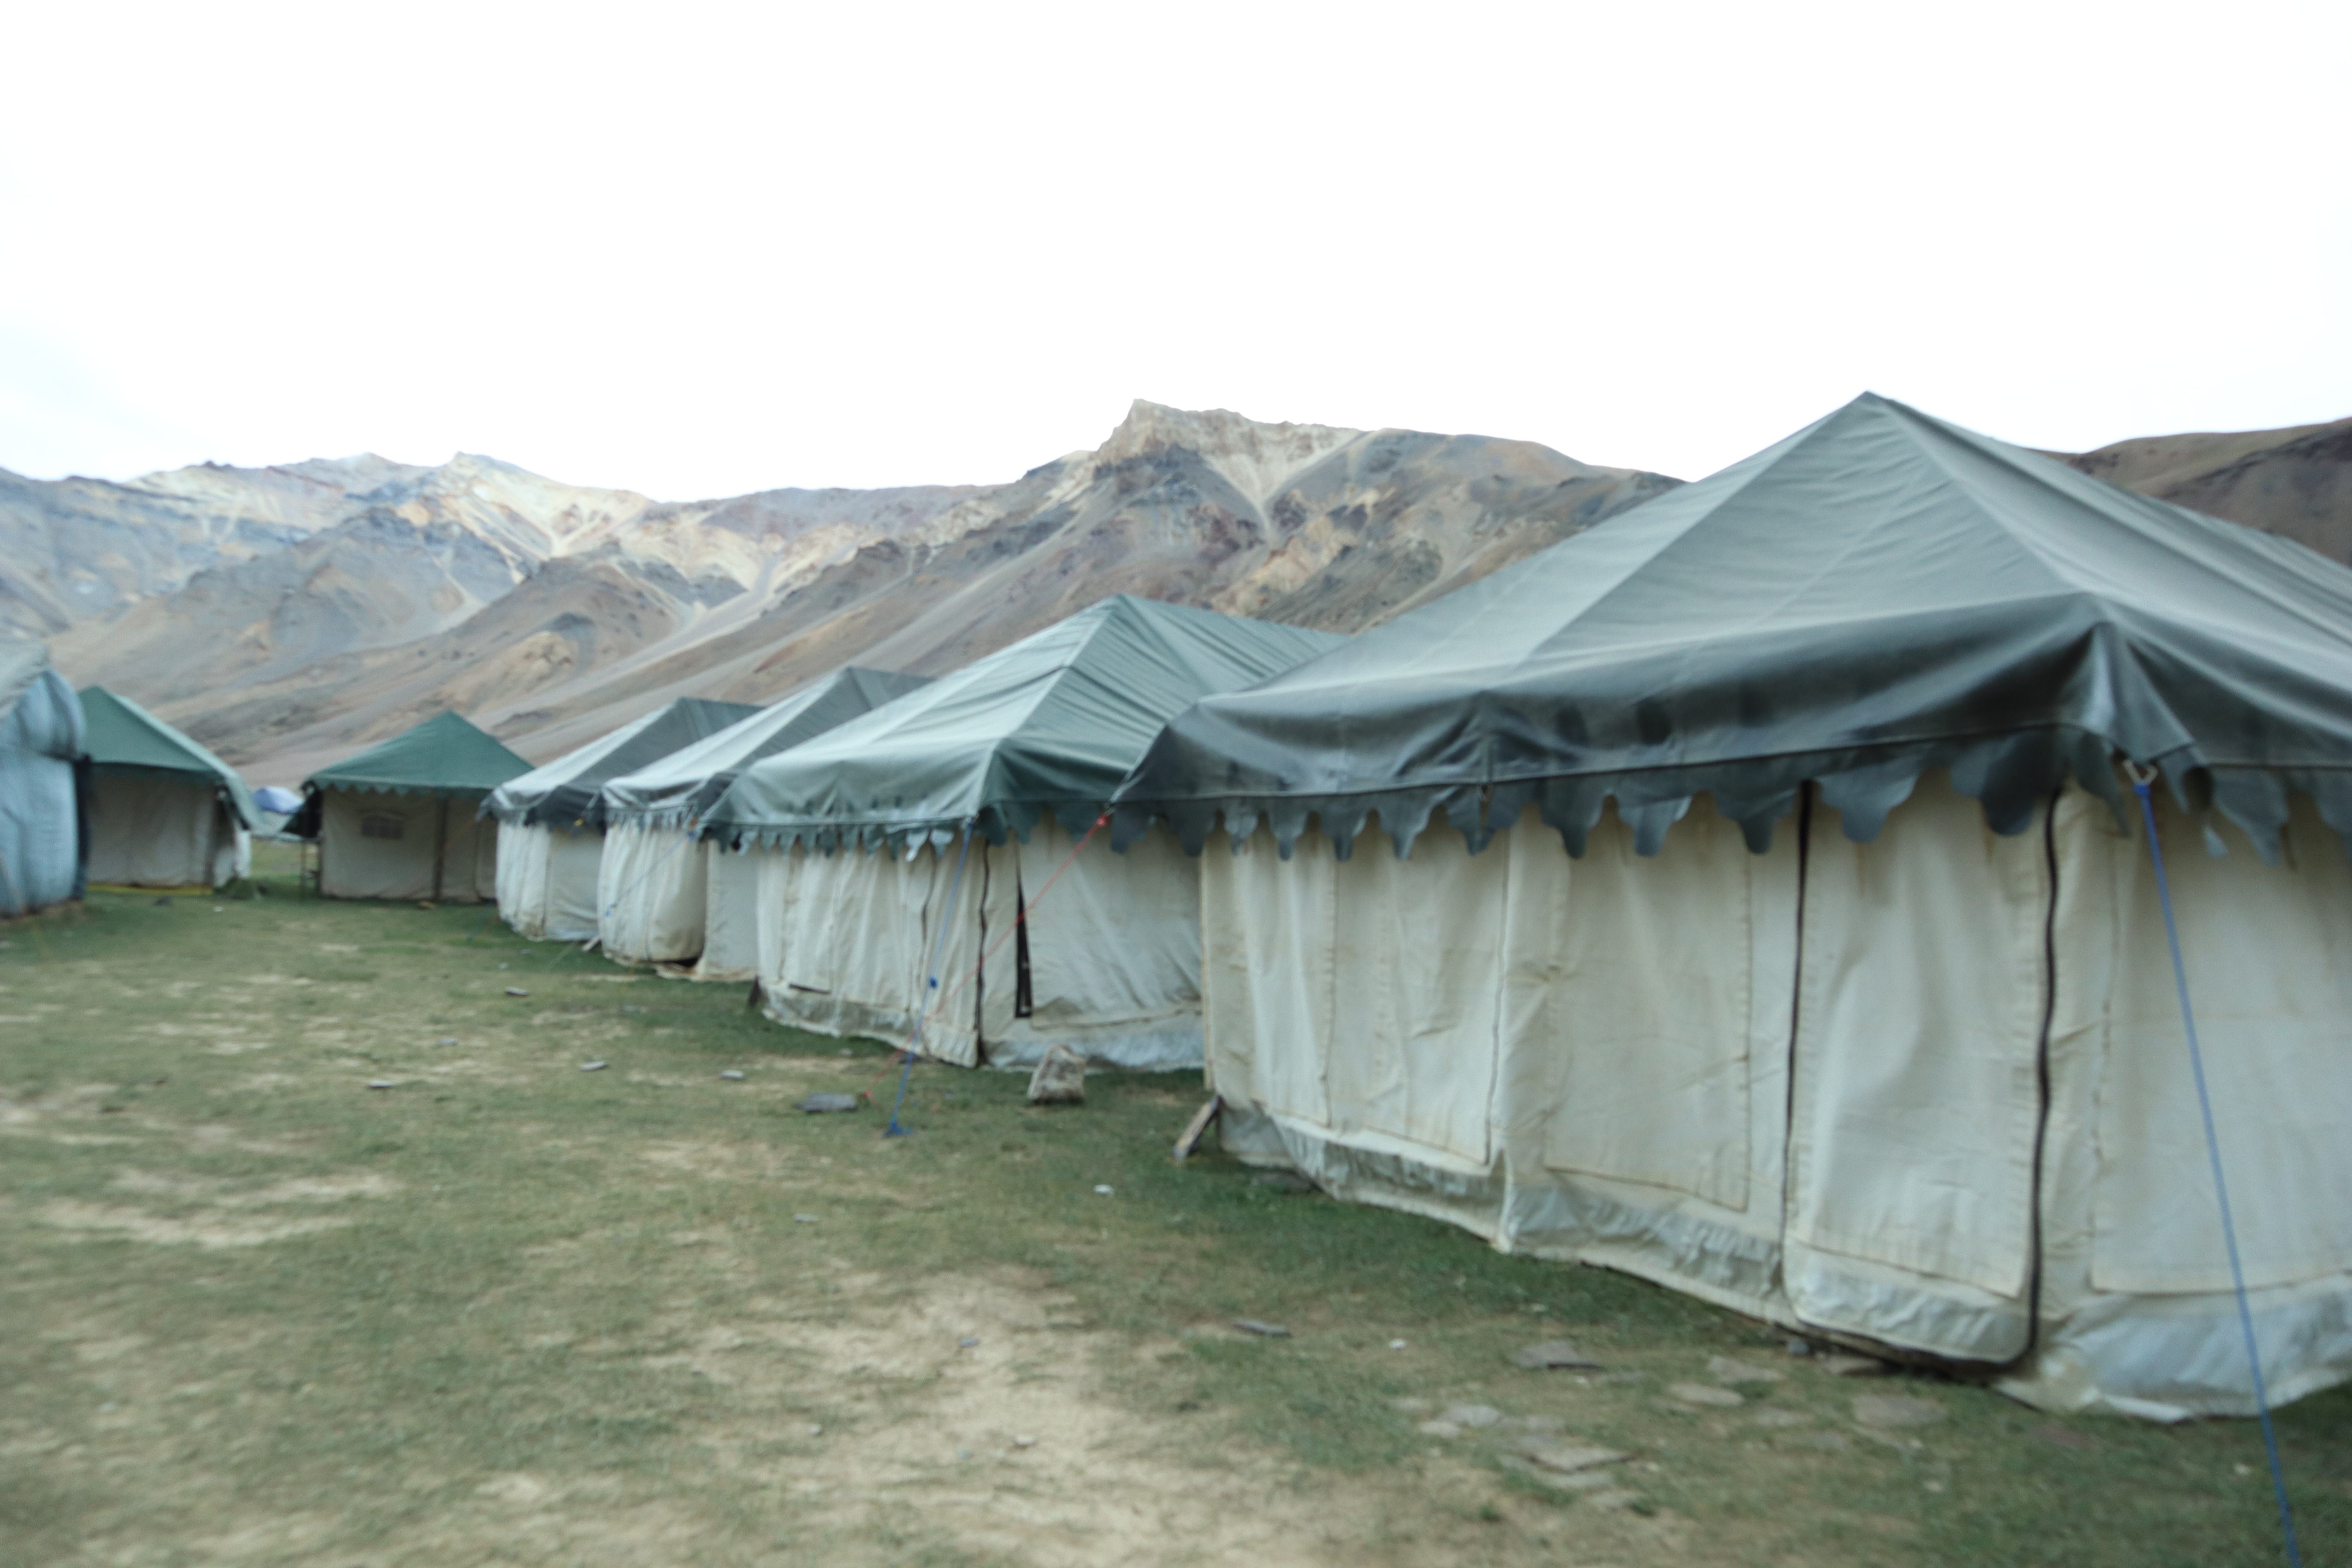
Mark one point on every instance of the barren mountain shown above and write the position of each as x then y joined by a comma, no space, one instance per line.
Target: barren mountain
2296,482
289,615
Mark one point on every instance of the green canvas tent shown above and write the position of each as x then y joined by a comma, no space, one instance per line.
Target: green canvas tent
398,820
551,819
663,894
163,811
941,811
40,744
1849,1002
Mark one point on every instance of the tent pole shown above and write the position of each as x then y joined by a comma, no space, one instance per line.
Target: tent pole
440,845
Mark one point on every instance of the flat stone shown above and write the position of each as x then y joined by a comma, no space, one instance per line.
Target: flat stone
967,1342
1262,1331
1471,1414
1723,1369
593,1067
1060,1078
1567,1458
1896,1410
804,1220
1705,1393
446,1040
1552,1353
731,1076
1838,1363
1025,1442
1798,1347
1575,1481
517,991
829,1104
382,1083
1439,1429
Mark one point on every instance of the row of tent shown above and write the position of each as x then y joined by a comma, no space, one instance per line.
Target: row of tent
96,790
1744,893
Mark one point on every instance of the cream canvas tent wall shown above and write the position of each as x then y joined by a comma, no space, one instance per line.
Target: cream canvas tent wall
398,821
552,843
666,894
1849,1002
40,744
999,769
163,811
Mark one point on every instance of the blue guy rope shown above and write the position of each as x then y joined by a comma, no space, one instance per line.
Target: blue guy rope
931,986
2141,777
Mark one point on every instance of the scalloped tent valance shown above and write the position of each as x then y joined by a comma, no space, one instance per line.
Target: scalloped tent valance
1878,595
1049,724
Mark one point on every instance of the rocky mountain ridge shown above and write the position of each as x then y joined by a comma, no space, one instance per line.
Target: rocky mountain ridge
288,616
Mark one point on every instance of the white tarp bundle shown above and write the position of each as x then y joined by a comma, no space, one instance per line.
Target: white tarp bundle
1109,963
546,879
165,830
1635,1061
382,844
40,736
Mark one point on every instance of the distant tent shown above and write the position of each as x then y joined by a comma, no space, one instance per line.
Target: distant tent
551,846
1850,1005
163,811
40,743
663,894
398,821
1017,755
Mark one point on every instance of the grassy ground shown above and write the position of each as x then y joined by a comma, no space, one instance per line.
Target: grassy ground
510,1311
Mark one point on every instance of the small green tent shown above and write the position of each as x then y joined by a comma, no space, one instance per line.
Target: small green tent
163,811
397,821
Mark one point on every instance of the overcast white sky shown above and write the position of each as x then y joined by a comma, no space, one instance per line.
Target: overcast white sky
700,250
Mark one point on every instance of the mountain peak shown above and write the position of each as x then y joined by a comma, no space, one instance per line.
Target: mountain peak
1256,456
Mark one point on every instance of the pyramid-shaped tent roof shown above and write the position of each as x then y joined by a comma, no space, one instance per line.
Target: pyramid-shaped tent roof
1051,723
443,755
684,784
1879,594
565,790
121,734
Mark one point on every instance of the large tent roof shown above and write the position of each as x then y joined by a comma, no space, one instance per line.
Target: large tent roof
443,755
1051,723
565,790
1879,594
684,784
121,734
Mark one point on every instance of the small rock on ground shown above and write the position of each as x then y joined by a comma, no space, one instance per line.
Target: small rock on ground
1262,1331
1705,1393
1552,1353
826,1104
1471,1414
381,1083
1060,1079
1896,1410
1723,1369
593,1067
1567,1458
517,991
446,1040
731,1076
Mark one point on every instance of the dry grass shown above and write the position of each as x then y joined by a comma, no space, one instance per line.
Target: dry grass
508,1312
